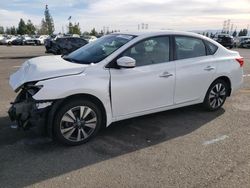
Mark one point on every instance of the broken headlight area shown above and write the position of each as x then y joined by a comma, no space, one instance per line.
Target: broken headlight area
26,111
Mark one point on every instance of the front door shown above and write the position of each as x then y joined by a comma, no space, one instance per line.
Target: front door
150,85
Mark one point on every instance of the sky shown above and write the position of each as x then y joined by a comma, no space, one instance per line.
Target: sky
125,15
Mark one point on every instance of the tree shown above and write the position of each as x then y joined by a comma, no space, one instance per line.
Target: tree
8,31
243,32
1,30
43,28
93,32
49,21
234,33
70,28
21,30
74,29
30,28
13,30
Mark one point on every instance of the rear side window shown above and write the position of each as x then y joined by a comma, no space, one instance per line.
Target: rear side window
212,48
188,47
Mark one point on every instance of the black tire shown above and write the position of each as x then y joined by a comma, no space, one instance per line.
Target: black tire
74,106
220,96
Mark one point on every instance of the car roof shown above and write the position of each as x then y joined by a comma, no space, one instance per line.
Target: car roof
160,32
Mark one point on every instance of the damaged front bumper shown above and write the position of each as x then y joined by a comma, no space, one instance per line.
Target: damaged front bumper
29,113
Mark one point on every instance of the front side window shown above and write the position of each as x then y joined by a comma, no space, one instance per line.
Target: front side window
150,51
98,50
188,47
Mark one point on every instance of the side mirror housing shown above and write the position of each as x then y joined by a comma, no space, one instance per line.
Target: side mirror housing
126,62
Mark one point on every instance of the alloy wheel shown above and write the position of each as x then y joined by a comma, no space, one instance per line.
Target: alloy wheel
217,95
78,123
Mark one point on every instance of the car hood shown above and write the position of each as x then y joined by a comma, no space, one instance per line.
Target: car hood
44,67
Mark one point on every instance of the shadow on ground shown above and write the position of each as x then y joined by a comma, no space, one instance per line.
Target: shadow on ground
26,159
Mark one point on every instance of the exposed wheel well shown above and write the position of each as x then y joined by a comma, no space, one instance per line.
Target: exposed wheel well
61,102
228,82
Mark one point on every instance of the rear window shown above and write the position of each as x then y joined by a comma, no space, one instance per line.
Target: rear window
212,48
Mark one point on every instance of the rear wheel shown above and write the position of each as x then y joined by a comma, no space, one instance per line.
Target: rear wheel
77,122
216,95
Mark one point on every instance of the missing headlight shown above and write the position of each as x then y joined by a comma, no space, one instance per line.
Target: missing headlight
33,90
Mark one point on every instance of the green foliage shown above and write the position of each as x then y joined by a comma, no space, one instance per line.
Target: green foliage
43,28
1,30
243,32
49,23
30,28
235,33
74,29
22,29
13,30
93,32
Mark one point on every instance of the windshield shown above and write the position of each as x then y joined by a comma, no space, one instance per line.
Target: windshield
98,50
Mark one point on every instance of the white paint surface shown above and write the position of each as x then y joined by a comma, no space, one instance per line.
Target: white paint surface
246,75
220,138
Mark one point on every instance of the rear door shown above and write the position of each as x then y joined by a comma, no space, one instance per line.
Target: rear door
194,69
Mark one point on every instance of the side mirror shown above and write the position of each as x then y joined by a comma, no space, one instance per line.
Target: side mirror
126,62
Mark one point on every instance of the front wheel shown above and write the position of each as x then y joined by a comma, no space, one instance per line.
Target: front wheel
77,122
216,95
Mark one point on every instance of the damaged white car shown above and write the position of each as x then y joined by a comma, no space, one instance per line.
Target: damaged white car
121,76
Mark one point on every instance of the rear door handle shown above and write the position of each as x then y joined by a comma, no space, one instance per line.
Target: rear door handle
209,68
166,75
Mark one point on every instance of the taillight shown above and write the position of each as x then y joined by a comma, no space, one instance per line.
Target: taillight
240,61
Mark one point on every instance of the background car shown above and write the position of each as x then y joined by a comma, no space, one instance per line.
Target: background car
225,40
64,45
90,38
8,40
18,41
241,41
1,38
245,43
41,39
29,40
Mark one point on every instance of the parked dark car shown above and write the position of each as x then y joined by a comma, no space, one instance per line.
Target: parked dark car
18,41
245,44
64,45
225,40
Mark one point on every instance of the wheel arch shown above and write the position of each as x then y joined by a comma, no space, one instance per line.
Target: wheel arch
60,102
228,82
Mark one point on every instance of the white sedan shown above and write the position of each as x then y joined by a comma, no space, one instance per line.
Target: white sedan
121,76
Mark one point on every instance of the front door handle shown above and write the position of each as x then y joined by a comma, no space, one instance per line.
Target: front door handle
209,68
166,75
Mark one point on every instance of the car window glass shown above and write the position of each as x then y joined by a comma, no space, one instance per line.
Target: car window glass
211,48
150,51
188,47
96,51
